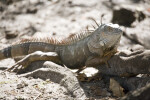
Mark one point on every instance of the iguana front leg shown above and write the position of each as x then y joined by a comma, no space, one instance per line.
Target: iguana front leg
38,55
95,61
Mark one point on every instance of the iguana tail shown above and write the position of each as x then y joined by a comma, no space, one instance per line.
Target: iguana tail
25,49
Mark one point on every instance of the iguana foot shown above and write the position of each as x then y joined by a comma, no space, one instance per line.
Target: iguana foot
20,65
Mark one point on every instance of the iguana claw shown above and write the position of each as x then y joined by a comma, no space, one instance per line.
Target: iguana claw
22,64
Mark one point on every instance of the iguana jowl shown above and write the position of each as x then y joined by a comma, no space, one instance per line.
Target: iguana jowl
89,49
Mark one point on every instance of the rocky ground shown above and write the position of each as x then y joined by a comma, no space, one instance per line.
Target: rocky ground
21,19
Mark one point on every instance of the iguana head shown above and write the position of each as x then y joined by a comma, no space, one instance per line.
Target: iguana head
107,36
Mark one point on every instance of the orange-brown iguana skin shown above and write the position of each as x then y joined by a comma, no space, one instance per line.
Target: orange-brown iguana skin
90,49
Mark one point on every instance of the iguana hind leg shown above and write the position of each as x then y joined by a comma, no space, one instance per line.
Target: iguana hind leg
36,56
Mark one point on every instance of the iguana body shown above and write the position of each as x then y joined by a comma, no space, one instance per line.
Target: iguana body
90,49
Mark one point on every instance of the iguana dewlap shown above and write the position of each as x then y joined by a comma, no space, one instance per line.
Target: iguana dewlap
88,49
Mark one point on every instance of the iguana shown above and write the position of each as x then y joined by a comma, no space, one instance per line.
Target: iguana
88,49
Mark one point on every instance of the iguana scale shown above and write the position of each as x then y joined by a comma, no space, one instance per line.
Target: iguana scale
88,49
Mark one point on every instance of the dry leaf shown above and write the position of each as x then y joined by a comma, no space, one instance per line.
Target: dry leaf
116,88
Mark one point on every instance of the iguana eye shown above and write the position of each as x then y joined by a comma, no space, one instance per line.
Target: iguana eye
110,29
